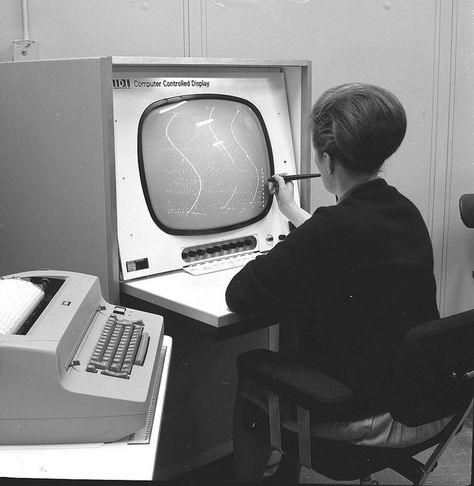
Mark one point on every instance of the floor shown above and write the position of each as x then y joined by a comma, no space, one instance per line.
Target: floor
454,468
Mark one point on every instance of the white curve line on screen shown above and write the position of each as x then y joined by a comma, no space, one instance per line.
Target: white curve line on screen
217,139
245,152
187,160
230,198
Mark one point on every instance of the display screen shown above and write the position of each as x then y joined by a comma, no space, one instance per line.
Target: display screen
204,163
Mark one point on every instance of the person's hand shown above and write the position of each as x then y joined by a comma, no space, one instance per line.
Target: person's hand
283,191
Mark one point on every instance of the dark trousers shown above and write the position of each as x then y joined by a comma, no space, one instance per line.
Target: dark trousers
252,453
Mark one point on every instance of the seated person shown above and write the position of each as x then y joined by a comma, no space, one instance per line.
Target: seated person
355,276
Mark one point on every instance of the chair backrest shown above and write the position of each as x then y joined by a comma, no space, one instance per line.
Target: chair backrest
433,375
466,209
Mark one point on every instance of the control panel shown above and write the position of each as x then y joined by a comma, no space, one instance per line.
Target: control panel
218,249
223,255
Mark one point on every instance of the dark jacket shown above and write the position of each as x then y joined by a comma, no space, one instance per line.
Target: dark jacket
357,276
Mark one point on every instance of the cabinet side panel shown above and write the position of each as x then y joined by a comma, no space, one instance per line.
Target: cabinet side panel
52,154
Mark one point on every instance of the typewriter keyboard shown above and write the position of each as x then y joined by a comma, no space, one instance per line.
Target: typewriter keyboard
121,345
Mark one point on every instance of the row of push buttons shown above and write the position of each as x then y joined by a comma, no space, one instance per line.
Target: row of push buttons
217,250
121,345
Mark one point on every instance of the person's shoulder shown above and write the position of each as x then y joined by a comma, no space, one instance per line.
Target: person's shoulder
394,196
377,188
376,192
326,215
337,219
384,204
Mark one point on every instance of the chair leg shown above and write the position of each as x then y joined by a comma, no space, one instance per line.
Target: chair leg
304,436
368,480
274,420
251,452
433,459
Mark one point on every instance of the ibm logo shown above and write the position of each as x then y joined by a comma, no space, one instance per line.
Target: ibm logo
122,83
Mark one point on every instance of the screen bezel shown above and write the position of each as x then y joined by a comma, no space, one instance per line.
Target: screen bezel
177,99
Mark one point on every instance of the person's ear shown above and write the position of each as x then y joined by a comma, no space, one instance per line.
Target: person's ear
328,163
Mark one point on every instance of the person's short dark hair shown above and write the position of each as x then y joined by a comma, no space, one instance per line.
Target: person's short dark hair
358,125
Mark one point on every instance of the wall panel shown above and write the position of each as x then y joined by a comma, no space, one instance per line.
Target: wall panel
10,27
89,28
386,43
458,287
401,45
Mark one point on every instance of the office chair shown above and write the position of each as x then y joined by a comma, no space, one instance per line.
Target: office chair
433,378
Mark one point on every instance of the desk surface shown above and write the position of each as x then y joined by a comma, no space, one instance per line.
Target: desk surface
200,297
118,460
